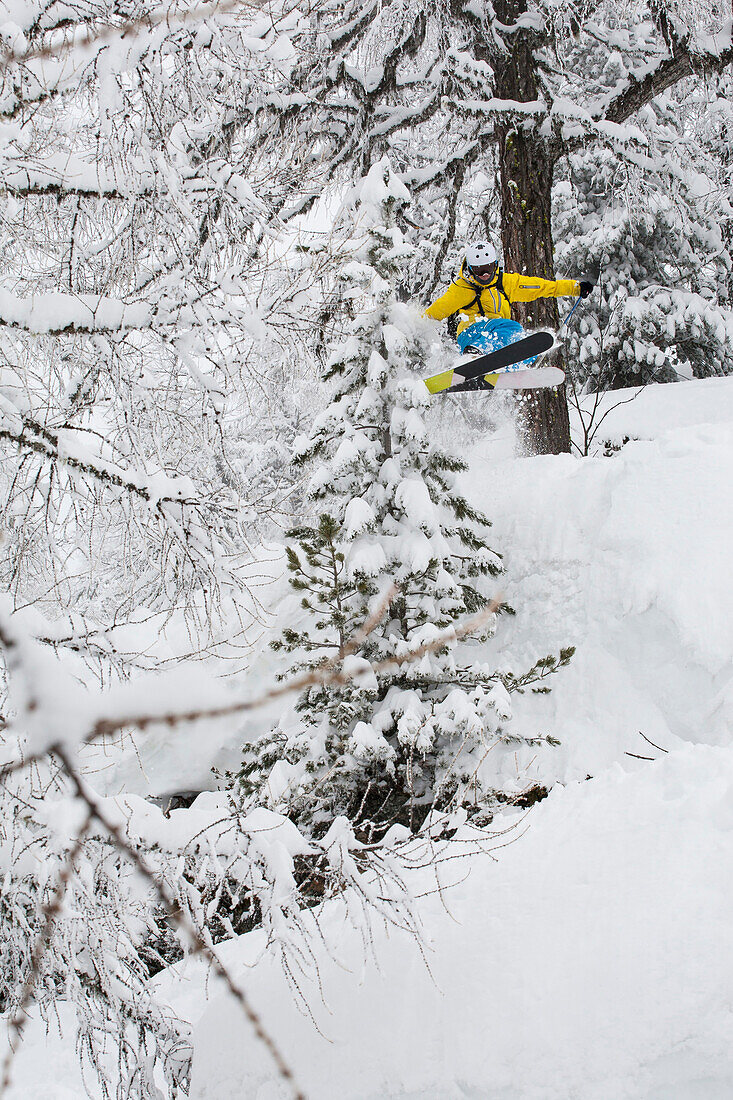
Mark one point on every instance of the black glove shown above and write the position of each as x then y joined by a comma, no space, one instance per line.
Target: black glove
589,280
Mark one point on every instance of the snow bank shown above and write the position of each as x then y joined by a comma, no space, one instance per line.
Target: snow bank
652,411
593,961
626,557
46,1066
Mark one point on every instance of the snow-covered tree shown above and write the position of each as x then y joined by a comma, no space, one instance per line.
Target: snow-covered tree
135,293
660,313
393,742
479,107
157,305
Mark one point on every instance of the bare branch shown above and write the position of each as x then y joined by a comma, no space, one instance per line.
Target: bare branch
173,909
125,29
50,912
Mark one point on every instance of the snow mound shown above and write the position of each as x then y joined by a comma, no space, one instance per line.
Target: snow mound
626,557
594,961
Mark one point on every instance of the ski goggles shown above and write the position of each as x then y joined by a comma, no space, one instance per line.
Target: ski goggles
484,272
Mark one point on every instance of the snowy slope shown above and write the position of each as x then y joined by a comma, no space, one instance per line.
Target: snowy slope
593,960
628,558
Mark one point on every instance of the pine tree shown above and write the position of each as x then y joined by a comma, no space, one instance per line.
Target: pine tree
392,743
661,311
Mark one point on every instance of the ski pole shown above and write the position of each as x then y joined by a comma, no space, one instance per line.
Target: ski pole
572,311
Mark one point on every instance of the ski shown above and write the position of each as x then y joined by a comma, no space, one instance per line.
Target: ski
531,378
495,362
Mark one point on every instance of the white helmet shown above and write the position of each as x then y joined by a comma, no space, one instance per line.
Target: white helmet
482,261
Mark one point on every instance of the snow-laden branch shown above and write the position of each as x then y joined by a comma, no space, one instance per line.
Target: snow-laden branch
572,123
86,35
510,110
62,446
56,313
686,60
37,88
172,314
67,175
52,714
419,179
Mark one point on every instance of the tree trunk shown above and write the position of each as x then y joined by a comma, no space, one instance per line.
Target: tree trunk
527,164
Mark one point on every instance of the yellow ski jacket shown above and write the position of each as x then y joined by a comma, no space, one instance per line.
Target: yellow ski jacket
463,296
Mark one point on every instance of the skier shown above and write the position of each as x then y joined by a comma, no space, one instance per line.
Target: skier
482,296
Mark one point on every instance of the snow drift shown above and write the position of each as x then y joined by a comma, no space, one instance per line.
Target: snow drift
593,960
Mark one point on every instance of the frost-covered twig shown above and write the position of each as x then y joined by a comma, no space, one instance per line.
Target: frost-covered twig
125,29
173,909
325,675
50,912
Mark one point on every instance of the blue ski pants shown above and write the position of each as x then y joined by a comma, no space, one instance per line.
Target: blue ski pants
488,335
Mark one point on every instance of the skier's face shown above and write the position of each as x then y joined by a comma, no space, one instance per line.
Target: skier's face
484,273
